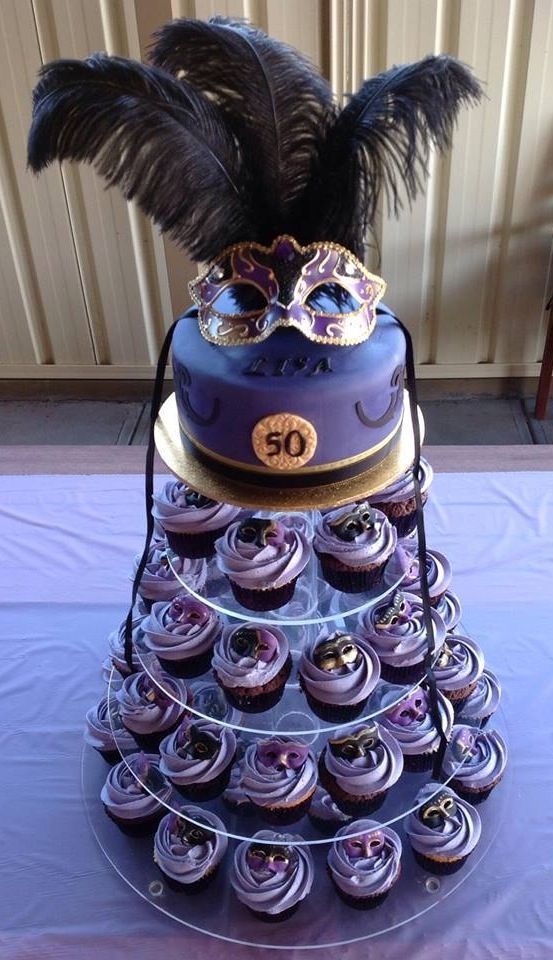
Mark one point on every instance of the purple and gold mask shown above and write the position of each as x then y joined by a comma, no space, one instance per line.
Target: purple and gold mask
251,290
339,650
188,610
366,846
435,813
189,833
282,755
273,859
261,532
411,710
254,642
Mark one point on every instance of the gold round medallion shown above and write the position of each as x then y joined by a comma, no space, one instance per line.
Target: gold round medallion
284,441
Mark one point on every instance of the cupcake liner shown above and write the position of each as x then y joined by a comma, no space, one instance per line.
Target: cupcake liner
348,579
473,796
189,888
460,696
258,699
361,903
262,601
402,675
194,546
188,667
438,867
418,762
334,713
141,827
284,815
355,806
205,791
401,514
275,917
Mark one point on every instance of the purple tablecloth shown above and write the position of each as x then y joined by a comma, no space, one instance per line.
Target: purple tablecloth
68,543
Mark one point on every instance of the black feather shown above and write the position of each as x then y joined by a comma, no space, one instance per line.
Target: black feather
274,100
161,141
379,145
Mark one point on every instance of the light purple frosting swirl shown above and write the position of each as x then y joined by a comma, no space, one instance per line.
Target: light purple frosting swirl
403,488
348,684
101,723
175,637
449,608
418,736
267,892
126,791
484,765
323,808
365,876
484,699
182,768
235,670
374,545
173,513
404,643
375,772
158,580
262,568
146,706
438,569
455,839
182,861
268,787
464,666
116,642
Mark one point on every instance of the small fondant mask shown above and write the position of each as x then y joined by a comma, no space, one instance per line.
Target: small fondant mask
188,610
254,642
357,744
411,710
197,743
366,846
194,499
275,859
445,657
190,833
282,755
151,692
261,532
463,743
349,526
436,812
395,612
338,651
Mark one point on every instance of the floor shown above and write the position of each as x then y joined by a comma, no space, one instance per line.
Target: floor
458,420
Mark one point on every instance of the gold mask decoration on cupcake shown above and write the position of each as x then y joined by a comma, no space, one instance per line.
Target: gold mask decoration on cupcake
337,651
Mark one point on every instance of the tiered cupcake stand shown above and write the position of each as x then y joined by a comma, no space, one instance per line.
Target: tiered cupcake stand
322,919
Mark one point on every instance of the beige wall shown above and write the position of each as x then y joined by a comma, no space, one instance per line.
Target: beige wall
87,287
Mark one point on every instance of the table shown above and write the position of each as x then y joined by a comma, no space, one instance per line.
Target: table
68,544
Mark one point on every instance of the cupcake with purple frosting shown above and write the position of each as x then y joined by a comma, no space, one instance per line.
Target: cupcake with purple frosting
191,521
262,559
396,630
449,609
325,814
438,573
458,668
151,708
443,830
398,502
353,545
181,633
162,581
337,672
135,792
188,848
140,652
364,863
272,873
252,662
475,760
197,758
407,714
358,766
482,703
105,731
278,776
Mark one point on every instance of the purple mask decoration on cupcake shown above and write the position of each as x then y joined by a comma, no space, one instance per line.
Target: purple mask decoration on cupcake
282,756
351,525
338,651
463,743
188,833
355,745
250,290
197,743
411,710
188,610
254,642
366,846
396,612
261,532
271,859
436,812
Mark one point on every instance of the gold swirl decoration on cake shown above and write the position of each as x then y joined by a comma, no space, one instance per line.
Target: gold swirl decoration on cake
284,441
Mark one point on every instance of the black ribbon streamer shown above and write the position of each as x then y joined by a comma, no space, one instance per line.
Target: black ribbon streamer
148,485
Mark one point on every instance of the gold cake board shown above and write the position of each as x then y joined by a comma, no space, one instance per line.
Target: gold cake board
185,466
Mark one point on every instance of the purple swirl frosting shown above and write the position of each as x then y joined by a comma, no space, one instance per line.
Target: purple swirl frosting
454,836
377,770
349,681
175,510
270,884
188,846
373,545
199,751
102,722
236,669
160,583
403,488
323,808
278,772
135,789
449,608
476,758
263,567
438,571
484,699
151,706
402,641
460,663
181,629
408,717
367,864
